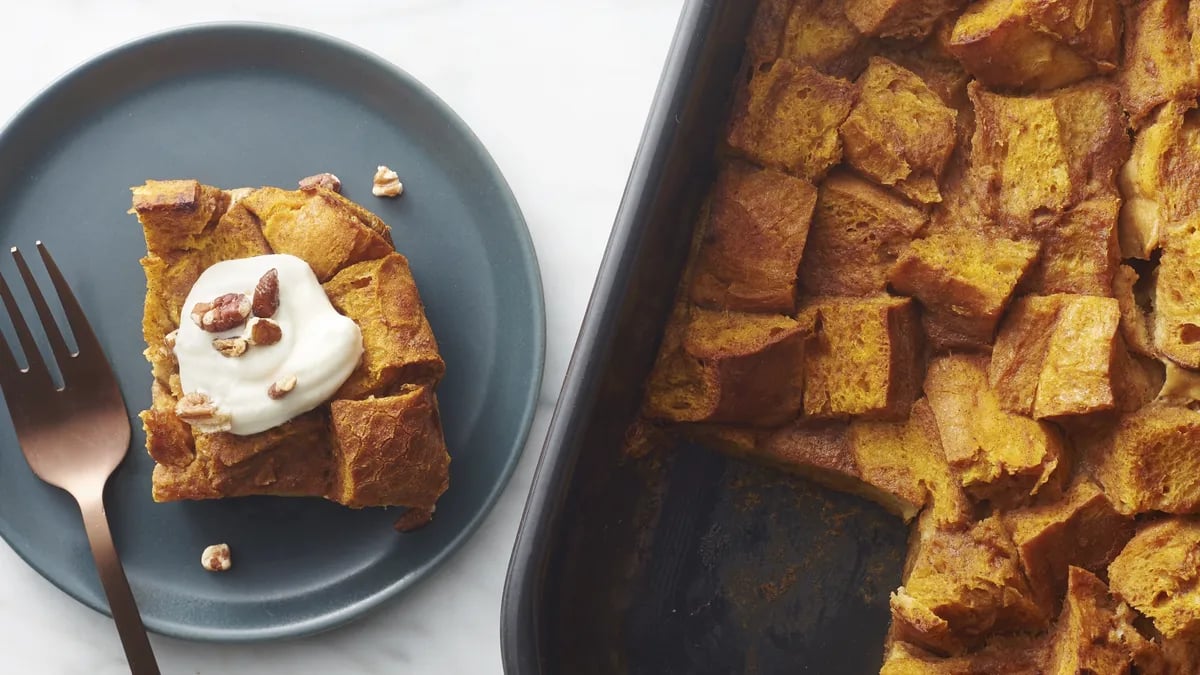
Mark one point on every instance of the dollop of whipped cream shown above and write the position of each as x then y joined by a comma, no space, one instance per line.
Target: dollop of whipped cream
318,347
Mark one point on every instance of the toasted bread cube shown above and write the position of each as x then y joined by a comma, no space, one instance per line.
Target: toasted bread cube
961,586
865,360
399,347
1158,575
1176,326
389,451
996,455
818,34
754,236
728,367
1159,178
174,212
1159,64
1008,654
168,439
788,119
858,231
898,18
1028,45
940,71
1080,530
1053,356
1089,635
324,228
1135,320
1149,463
1079,251
899,133
963,281
765,39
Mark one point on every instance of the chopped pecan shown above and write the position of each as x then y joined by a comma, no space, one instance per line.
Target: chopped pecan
198,410
216,558
262,332
266,294
386,183
231,347
321,180
228,311
169,339
282,387
198,312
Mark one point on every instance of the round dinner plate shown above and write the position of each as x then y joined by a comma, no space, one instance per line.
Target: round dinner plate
246,105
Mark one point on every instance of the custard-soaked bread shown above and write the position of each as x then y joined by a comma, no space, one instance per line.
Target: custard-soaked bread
899,18
812,33
996,455
940,71
1135,303
961,585
964,281
858,231
876,339
899,465
189,227
1054,355
1158,182
1081,530
1158,574
788,118
1079,250
398,345
752,241
1160,60
899,132
1149,461
1089,637
1176,319
1034,45
728,367
1011,655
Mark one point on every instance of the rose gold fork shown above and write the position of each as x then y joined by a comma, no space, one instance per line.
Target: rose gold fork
74,437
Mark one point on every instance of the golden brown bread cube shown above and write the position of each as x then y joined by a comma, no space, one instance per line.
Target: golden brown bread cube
899,465
875,339
1035,45
1159,63
1149,462
174,212
940,71
961,585
1011,655
1135,304
765,38
728,367
808,32
1079,250
964,281
1158,574
899,18
1089,637
752,241
389,450
899,132
1176,318
1158,180
858,231
320,226
398,344
1081,530
788,119
1053,356
168,438
996,455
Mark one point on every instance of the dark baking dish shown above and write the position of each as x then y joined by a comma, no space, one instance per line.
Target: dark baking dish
683,561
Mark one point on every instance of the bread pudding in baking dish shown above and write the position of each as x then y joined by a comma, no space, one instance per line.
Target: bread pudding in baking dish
290,350
949,263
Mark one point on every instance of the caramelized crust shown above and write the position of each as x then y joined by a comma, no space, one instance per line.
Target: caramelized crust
1158,573
1159,63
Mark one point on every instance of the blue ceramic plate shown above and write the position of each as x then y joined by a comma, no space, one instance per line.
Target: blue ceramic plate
246,104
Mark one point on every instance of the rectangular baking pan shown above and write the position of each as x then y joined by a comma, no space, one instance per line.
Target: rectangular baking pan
683,561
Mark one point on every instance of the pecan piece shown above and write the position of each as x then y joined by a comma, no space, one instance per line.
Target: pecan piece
266,294
231,347
198,410
228,311
282,387
262,332
386,183
321,180
169,339
216,558
198,312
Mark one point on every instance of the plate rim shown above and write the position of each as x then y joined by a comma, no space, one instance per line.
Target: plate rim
78,75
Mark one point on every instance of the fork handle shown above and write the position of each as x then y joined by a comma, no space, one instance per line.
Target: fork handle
116,586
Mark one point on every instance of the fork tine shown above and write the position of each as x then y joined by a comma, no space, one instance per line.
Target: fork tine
32,356
57,343
85,339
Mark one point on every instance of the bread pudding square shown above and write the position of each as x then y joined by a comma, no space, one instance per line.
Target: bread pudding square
1148,462
1030,45
1160,59
899,133
1158,575
859,230
728,367
877,342
961,585
997,456
1082,530
752,241
899,18
1089,637
191,229
964,281
788,118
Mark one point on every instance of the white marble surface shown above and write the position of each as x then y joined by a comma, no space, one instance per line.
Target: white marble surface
558,92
